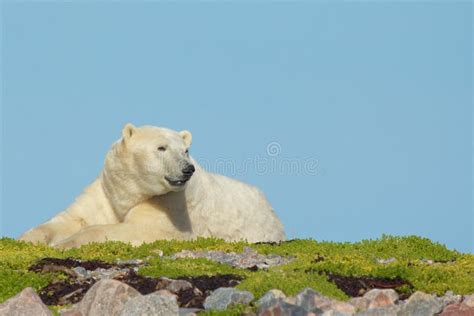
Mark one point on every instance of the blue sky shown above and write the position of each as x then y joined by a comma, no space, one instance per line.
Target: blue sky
377,95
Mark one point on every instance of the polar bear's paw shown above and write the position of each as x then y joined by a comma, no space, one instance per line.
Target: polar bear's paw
37,236
66,244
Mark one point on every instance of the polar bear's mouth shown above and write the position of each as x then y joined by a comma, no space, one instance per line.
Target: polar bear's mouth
177,182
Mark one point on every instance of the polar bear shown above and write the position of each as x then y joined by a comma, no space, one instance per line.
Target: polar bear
150,189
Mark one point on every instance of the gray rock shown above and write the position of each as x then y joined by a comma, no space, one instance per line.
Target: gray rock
224,297
249,258
134,262
81,272
188,311
360,303
311,301
273,260
70,312
157,252
282,308
27,302
314,302
270,298
421,304
153,304
106,297
385,261
307,302
100,274
450,298
390,310
177,286
166,293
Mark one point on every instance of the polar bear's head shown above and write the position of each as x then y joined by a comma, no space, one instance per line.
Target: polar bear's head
154,160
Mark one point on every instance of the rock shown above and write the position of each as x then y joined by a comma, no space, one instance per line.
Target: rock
469,300
188,311
360,303
157,252
224,297
70,312
177,286
450,298
380,298
81,272
385,261
270,298
311,300
248,259
282,308
106,297
112,273
427,261
166,293
341,309
153,304
130,262
380,301
390,310
421,304
390,293
27,302
458,310
314,302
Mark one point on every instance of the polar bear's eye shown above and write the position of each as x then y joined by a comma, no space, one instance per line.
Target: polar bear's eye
187,152
162,148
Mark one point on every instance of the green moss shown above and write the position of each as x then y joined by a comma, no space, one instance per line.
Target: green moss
290,282
13,281
456,276
451,271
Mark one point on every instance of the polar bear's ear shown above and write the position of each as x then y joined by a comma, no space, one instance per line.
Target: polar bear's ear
187,137
128,131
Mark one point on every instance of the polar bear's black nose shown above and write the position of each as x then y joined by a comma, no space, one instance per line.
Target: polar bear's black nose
188,170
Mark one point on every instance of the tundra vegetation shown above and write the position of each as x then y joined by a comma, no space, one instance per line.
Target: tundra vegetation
421,264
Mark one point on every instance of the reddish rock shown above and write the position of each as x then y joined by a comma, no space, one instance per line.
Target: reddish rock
106,297
342,308
27,302
381,300
458,310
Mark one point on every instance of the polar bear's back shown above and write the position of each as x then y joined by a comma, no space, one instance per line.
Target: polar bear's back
235,210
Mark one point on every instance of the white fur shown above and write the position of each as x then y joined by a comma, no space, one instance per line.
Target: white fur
132,201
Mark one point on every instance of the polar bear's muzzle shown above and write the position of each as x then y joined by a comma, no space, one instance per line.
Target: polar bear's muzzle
180,181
